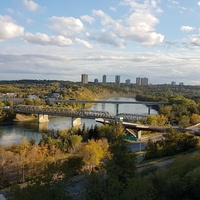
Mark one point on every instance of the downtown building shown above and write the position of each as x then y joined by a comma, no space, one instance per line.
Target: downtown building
141,81
104,79
117,79
84,78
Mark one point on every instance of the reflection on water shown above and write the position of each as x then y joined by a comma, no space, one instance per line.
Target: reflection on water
13,134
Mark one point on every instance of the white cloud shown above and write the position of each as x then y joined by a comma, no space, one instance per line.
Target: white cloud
30,5
44,39
9,29
109,38
198,3
187,28
88,19
138,25
51,64
141,22
106,19
193,41
84,43
137,19
66,26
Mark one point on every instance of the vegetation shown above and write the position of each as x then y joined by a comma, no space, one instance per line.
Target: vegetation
106,163
172,143
100,155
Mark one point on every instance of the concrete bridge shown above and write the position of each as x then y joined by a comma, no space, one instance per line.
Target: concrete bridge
136,129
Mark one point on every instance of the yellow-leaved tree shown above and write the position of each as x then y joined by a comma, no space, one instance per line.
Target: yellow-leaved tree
94,152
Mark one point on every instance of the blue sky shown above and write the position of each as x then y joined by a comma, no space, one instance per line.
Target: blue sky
62,39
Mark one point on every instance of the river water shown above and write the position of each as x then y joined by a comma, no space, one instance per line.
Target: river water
13,134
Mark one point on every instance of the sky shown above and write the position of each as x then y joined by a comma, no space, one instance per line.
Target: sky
62,39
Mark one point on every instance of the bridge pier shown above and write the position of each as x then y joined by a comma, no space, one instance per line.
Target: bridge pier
42,118
117,109
139,134
76,121
83,106
149,110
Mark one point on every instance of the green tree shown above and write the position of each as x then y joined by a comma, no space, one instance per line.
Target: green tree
122,163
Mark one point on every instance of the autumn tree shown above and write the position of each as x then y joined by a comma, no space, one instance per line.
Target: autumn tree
93,152
195,119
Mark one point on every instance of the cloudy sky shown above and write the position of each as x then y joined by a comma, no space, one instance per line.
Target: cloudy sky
62,39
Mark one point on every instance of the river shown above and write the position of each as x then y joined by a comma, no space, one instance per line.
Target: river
13,134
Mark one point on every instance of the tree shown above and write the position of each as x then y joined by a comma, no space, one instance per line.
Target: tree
151,149
122,163
23,159
72,166
75,142
184,121
93,153
195,119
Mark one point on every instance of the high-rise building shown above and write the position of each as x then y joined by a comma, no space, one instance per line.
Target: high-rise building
144,81
117,79
128,82
104,79
96,80
84,78
138,81
173,83
141,81
181,83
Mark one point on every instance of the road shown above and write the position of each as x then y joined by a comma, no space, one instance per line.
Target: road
140,145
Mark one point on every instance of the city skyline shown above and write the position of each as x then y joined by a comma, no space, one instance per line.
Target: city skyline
117,80
63,39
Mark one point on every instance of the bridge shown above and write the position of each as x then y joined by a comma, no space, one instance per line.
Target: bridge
135,129
75,114
117,103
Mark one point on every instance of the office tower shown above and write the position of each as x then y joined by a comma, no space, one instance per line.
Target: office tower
104,79
144,81
128,82
141,81
173,83
96,80
117,79
84,78
138,81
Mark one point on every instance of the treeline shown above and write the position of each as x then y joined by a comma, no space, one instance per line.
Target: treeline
181,111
